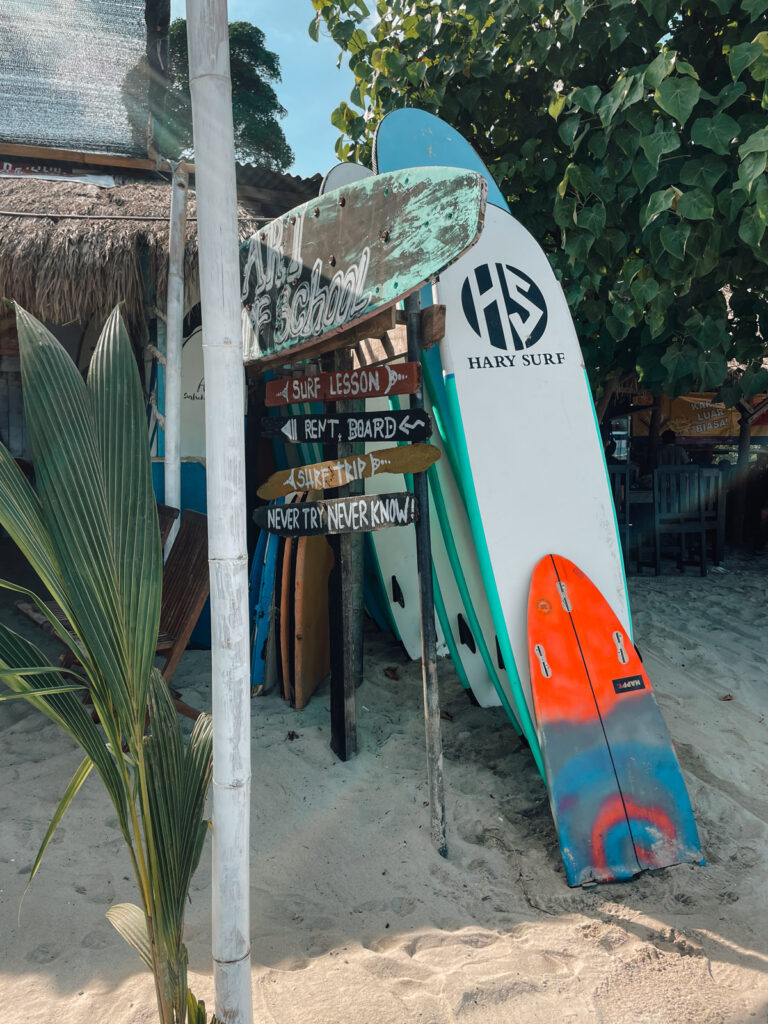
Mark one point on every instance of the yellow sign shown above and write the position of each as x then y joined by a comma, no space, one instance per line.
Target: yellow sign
695,417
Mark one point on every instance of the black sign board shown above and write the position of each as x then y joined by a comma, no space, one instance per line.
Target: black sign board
396,425
357,514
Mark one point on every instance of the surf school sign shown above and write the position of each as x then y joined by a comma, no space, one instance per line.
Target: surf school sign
335,261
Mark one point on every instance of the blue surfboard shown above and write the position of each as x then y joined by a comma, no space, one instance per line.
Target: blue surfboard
262,605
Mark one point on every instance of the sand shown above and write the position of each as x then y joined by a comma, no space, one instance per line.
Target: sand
356,919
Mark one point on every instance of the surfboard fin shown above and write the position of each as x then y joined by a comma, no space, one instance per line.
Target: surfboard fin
397,594
465,634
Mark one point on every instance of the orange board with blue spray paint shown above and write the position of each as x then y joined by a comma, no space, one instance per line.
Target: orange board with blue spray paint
616,789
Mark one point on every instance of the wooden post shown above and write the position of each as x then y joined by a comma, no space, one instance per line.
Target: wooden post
173,344
210,85
427,602
347,636
742,468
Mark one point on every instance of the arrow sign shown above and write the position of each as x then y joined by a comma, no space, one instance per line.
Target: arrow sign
336,260
367,382
336,473
358,514
397,425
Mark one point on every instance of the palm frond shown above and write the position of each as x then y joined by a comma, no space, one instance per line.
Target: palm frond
70,481
63,708
121,431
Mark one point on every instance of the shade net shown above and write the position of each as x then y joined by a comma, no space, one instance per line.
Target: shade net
72,75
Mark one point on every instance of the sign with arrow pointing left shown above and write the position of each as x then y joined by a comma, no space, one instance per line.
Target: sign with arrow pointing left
394,425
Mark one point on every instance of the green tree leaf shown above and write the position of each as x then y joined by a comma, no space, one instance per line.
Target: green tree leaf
754,8
716,133
713,370
752,226
697,204
587,98
658,203
656,145
756,143
659,68
678,96
741,56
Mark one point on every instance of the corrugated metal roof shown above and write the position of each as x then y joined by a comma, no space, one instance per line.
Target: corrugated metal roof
69,75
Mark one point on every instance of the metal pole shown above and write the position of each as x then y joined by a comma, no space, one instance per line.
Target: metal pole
427,602
173,344
210,85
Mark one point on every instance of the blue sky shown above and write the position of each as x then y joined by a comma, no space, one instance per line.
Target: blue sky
312,84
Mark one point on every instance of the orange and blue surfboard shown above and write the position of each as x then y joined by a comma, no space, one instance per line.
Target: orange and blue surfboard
616,789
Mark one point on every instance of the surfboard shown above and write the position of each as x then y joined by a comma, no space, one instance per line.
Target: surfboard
311,637
617,793
262,609
395,552
456,616
287,615
514,376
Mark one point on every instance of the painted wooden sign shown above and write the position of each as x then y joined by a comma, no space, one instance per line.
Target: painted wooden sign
340,385
396,425
338,259
362,513
413,458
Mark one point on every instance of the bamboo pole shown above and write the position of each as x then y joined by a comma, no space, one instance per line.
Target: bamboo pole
210,85
173,344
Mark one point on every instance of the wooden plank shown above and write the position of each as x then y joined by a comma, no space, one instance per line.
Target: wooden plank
345,596
432,325
335,261
340,385
373,327
396,425
359,513
323,475
72,156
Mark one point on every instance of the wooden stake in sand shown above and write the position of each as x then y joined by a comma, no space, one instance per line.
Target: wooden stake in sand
209,79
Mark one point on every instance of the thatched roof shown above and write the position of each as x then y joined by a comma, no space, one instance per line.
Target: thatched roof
71,251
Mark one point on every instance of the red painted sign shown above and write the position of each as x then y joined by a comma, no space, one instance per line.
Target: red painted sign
367,382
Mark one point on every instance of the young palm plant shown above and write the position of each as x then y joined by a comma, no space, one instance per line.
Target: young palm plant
90,531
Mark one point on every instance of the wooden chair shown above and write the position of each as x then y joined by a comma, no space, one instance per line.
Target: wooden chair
619,480
186,586
678,512
713,510
167,515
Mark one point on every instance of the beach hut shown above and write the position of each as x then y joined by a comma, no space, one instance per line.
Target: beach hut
76,239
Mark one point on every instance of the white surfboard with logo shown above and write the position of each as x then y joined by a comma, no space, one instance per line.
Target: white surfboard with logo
518,390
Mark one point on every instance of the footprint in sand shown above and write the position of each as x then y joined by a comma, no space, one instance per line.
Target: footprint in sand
42,955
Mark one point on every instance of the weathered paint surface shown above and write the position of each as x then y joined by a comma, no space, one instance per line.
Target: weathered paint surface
616,790
338,259
337,472
361,513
